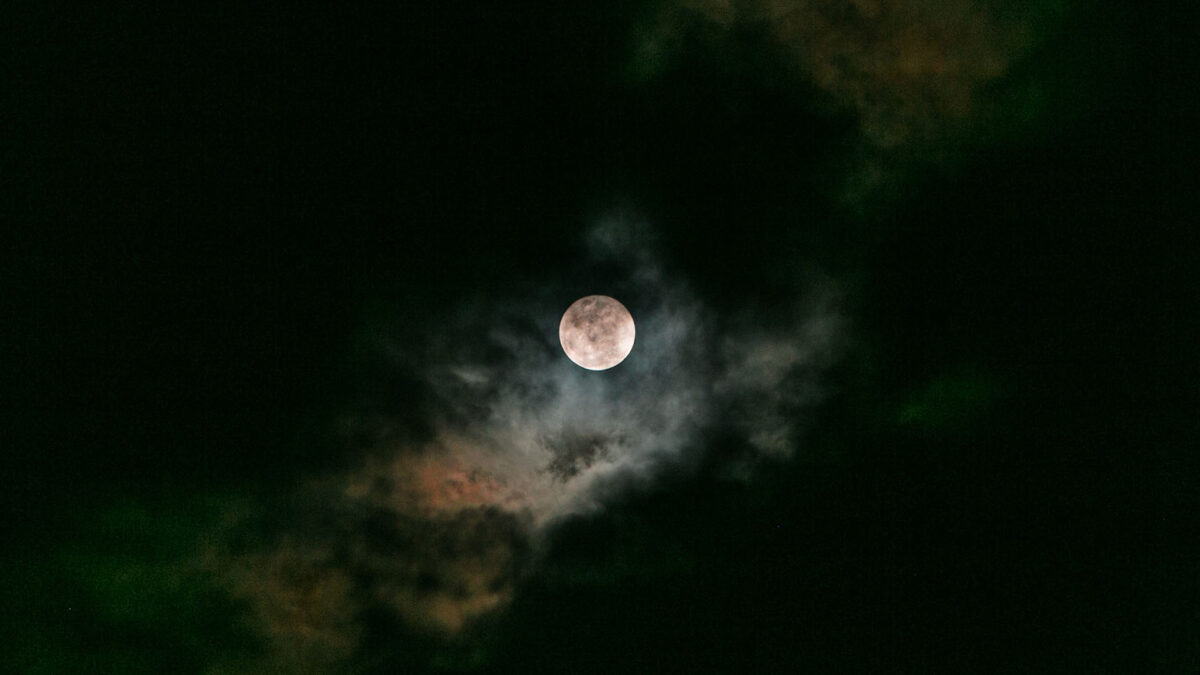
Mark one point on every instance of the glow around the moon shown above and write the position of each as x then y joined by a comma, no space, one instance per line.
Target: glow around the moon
596,332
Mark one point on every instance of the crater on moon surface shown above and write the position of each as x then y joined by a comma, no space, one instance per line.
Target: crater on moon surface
596,332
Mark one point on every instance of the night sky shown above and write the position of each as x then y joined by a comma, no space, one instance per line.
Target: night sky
915,381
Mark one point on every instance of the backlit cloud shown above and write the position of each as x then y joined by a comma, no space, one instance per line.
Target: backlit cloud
437,532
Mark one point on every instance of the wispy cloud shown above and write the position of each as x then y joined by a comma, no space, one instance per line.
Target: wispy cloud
437,533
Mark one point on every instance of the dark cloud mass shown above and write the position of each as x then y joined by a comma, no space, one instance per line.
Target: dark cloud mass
921,77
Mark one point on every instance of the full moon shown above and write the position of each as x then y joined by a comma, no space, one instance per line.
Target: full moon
596,332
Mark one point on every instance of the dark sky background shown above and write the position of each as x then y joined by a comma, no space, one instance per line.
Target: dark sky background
265,269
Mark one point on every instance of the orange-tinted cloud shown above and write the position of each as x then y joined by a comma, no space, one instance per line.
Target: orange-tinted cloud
915,73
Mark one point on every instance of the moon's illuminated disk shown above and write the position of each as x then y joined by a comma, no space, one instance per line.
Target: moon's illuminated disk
596,332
